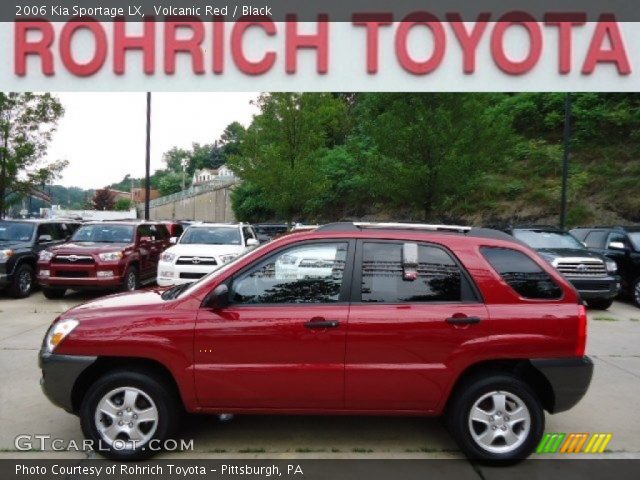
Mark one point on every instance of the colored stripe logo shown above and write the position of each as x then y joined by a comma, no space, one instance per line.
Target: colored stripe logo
574,443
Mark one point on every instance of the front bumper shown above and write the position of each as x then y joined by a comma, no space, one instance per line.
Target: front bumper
569,379
596,288
81,283
172,274
5,280
59,375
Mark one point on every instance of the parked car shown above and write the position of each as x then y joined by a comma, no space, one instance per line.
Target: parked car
202,248
268,231
103,255
622,245
593,275
467,323
20,243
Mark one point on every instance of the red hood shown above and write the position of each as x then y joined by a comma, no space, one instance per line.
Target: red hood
143,300
88,248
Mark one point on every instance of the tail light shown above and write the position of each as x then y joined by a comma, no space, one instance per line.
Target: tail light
581,343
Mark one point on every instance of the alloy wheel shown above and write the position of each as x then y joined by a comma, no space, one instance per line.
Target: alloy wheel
126,418
25,282
499,422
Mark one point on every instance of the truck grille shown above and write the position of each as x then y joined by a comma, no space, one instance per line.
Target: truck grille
196,261
71,274
73,260
582,268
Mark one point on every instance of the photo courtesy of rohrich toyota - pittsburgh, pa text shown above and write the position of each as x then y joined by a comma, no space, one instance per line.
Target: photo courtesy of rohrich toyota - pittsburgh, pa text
319,240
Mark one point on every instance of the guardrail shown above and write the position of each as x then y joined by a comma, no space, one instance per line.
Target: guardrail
194,191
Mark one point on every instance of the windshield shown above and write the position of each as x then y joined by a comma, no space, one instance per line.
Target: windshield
635,239
16,231
212,236
540,239
104,234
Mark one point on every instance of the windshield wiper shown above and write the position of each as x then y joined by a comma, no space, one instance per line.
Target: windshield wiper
173,292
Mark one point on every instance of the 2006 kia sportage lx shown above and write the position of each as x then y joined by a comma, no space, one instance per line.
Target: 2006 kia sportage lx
350,318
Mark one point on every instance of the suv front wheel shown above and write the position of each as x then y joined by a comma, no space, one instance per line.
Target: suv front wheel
124,411
496,418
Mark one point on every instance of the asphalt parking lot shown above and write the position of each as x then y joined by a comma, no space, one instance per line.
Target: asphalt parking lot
609,406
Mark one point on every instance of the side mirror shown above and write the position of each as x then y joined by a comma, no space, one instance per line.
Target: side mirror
44,238
217,298
173,240
616,246
252,242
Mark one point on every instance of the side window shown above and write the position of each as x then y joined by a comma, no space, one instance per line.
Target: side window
144,231
522,274
619,238
436,278
596,239
247,233
46,229
161,232
310,273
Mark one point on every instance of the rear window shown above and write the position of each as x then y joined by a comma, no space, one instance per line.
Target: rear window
522,274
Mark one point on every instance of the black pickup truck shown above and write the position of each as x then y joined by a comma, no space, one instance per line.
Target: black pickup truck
621,245
594,275
20,244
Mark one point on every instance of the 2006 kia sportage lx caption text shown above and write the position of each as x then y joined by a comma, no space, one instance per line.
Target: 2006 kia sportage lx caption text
350,318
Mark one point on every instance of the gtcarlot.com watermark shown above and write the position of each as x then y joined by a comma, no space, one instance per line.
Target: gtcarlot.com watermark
28,442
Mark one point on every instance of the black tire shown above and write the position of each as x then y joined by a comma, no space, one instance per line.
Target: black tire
165,400
131,281
474,390
23,281
54,293
635,292
600,303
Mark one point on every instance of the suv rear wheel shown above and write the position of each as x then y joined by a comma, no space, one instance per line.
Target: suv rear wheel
123,411
22,284
496,418
131,279
600,303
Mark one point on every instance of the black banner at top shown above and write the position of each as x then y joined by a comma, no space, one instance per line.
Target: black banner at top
309,10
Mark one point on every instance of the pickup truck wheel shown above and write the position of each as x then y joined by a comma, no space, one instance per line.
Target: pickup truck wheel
54,293
131,280
22,284
125,410
496,419
600,303
636,292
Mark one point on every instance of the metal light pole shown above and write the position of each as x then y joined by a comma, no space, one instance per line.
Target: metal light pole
147,178
565,159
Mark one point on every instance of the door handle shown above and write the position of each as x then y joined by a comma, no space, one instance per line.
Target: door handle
321,323
463,320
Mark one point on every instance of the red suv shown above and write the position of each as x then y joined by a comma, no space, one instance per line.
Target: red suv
103,255
350,318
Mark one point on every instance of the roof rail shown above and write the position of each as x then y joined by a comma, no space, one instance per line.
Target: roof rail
353,226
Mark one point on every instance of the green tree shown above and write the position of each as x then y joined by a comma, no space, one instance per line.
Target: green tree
231,139
123,204
27,122
250,204
281,150
170,183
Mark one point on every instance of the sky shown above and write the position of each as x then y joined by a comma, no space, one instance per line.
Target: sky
102,135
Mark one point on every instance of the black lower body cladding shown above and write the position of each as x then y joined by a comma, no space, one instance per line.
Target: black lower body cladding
569,378
59,375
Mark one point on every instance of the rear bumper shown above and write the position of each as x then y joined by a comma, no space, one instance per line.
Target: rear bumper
596,288
569,379
59,375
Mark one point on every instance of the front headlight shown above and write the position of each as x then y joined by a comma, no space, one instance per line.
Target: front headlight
227,258
58,332
612,267
45,256
110,256
5,254
167,257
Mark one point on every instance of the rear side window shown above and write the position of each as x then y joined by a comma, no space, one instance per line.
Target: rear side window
522,274
438,278
595,239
